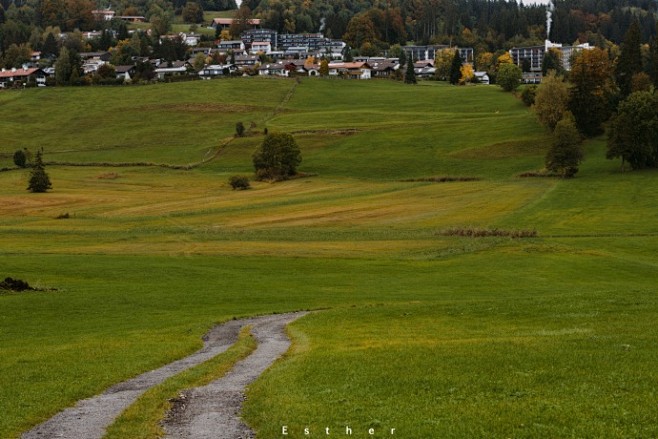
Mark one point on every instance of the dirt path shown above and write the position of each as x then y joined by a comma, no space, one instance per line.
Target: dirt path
212,411
90,417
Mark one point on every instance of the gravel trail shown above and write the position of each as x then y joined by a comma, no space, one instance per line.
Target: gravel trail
212,411
89,418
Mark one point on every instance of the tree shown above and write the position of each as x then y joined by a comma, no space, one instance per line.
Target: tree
466,73
50,46
566,152
239,129
551,100
552,61
39,180
239,182
630,60
410,74
63,67
20,159
192,13
592,90
277,158
509,76
324,68
633,133
455,68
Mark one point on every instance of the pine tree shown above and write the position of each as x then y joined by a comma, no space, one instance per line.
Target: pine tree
410,74
455,68
39,180
630,59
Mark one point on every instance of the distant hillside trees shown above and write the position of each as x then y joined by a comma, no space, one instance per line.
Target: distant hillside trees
277,158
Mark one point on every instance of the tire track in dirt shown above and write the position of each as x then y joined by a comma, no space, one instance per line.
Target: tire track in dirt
89,418
212,411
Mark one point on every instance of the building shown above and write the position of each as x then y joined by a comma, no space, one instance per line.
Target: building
422,53
260,47
225,23
215,70
250,36
311,42
532,56
235,46
103,14
351,70
11,77
567,52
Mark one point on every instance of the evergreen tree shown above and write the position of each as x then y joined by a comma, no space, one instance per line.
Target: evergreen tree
50,45
654,62
410,74
630,59
403,58
566,152
39,180
455,68
63,67
551,61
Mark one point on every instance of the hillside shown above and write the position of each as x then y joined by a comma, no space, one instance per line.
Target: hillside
434,335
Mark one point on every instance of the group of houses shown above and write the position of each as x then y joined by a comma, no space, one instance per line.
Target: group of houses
266,52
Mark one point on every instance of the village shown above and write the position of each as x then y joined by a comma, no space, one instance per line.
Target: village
265,52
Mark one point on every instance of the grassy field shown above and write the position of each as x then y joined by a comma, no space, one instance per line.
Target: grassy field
435,336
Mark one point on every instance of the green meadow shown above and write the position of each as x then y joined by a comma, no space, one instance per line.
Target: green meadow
431,335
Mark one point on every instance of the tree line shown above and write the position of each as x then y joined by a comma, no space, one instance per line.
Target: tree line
600,92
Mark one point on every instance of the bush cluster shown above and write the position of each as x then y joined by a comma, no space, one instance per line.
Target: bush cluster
473,232
239,182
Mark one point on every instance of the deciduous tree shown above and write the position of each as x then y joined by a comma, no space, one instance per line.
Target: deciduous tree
566,152
551,100
277,158
633,133
592,90
509,76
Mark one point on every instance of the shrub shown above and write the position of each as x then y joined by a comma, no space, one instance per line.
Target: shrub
473,232
528,95
20,159
239,129
239,182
